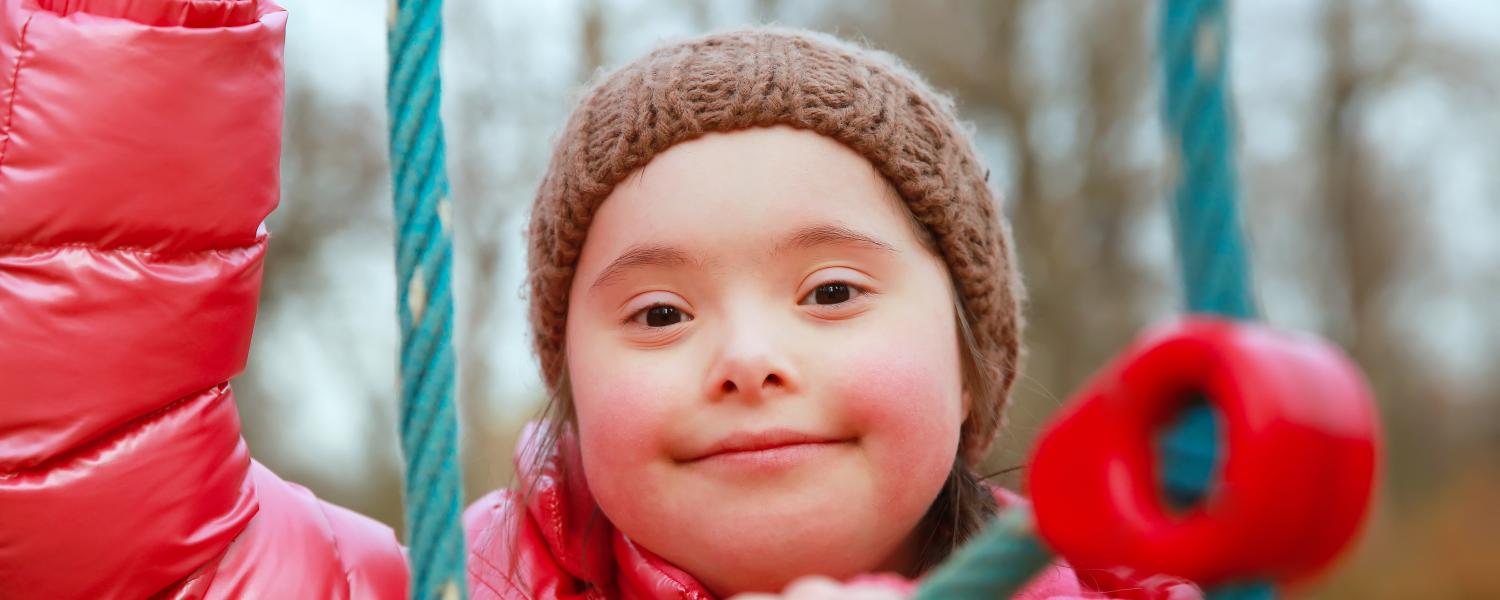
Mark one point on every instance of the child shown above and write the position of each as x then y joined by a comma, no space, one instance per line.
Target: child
774,302
772,296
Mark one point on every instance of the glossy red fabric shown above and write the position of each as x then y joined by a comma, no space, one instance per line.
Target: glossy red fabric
139,148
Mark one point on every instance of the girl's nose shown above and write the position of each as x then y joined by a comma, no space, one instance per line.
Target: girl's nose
750,366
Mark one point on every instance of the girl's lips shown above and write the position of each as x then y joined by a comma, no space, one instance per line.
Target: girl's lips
769,459
771,448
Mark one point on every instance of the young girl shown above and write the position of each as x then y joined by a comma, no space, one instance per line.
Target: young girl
772,296
774,302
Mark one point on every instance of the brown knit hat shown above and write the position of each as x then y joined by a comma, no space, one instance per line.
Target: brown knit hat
761,77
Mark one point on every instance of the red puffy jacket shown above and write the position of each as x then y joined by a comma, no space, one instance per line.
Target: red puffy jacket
139,144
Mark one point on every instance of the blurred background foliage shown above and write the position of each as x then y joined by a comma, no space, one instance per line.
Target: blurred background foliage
1370,170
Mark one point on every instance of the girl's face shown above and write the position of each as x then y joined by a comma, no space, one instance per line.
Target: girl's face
764,362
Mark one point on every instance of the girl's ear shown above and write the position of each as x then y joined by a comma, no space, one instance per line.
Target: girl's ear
968,405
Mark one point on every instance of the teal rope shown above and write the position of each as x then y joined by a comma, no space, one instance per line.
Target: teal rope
424,255
1194,37
995,565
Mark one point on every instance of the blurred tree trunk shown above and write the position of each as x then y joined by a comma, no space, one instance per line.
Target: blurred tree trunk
333,174
483,450
489,438
1375,235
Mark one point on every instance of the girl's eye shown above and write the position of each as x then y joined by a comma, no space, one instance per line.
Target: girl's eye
660,315
836,292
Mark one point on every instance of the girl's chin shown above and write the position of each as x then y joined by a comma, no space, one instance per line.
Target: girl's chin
781,539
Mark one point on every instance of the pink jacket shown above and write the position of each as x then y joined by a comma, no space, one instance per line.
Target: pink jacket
139,148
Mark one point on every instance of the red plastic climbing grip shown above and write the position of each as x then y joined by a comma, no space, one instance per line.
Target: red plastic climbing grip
1298,457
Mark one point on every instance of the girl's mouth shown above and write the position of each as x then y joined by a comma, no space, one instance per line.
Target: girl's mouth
772,448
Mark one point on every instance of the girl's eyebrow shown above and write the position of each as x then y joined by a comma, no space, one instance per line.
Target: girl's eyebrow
659,255
826,234
643,255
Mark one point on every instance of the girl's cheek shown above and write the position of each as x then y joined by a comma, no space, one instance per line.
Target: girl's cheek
622,418
906,398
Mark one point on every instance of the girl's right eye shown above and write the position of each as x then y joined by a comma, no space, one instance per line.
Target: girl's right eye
660,315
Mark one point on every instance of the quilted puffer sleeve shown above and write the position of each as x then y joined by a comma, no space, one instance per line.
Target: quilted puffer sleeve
139,149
